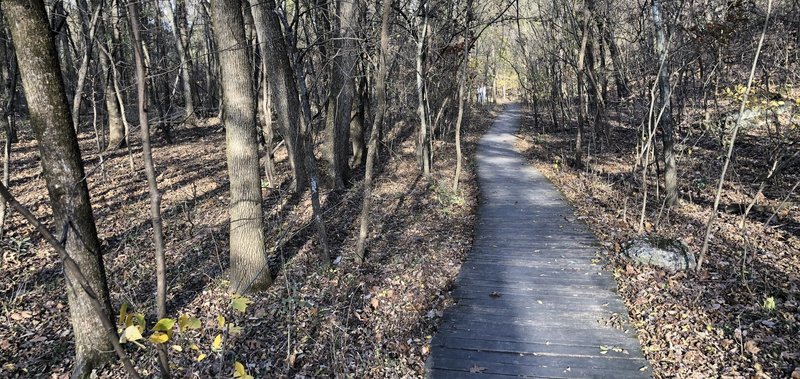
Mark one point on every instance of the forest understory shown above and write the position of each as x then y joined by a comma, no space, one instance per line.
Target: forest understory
373,320
737,317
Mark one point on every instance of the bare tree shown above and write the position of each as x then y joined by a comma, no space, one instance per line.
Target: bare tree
665,113
372,148
249,270
149,169
340,98
281,79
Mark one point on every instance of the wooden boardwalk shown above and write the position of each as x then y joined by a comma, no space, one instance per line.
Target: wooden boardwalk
531,300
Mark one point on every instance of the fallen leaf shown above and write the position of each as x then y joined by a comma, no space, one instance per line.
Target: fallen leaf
751,347
475,369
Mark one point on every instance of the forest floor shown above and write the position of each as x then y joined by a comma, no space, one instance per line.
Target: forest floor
737,318
373,320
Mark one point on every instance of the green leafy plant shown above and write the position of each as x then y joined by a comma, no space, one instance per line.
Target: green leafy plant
447,198
769,304
186,333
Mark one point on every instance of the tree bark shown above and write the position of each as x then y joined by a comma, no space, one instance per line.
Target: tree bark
116,125
340,98
63,172
423,141
357,124
665,114
581,71
462,83
282,85
249,269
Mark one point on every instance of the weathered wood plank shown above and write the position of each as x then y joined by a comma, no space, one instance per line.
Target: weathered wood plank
547,360
533,348
489,367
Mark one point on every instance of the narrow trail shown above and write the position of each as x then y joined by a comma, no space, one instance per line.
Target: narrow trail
532,301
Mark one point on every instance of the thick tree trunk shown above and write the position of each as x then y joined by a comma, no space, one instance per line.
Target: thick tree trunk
63,171
249,269
340,98
282,86
665,113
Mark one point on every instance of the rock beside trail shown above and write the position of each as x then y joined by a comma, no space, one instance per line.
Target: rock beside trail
671,255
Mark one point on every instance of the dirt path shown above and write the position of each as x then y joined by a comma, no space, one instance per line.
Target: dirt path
532,298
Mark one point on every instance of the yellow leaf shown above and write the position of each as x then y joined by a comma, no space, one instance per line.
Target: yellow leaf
217,344
194,347
234,330
159,337
221,321
123,313
238,370
131,333
186,322
200,357
177,348
140,322
163,325
240,303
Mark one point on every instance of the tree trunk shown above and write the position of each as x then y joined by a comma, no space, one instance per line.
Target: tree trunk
619,73
88,32
581,71
357,125
150,172
116,125
181,40
115,97
372,149
665,114
462,83
282,85
266,127
63,172
423,141
340,98
249,269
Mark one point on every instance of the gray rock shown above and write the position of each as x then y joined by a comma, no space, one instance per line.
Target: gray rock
671,255
757,116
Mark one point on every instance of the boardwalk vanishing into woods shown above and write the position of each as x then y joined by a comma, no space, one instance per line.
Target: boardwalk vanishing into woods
532,297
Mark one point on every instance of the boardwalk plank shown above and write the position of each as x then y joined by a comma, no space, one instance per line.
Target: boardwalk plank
478,344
